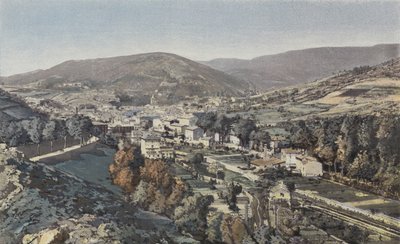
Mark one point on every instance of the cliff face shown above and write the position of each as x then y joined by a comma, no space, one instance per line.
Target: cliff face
363,148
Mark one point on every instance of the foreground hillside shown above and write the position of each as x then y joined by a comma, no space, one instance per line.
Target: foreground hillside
300,66
40,204
161,75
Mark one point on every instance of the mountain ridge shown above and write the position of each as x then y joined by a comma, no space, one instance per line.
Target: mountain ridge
167,76
300,66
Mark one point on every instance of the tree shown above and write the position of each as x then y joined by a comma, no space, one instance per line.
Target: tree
214,233
49,132
34,128
260,139
79,126
223,125
192,215
61,130
233,191
207,121
13,133
243,130
301,135
197,158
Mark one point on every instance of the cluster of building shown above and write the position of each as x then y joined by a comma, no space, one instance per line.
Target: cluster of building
294,160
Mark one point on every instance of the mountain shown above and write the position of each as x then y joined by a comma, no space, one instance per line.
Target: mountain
300,66
163,75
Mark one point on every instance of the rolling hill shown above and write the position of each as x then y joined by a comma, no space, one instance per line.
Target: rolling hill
362,90
166,76
300,66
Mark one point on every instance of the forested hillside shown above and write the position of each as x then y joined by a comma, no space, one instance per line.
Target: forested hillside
363,148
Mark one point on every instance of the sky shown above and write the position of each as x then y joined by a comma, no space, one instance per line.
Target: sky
38,34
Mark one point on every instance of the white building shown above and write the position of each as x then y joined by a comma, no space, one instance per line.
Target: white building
152,147
178,128
308,166
289,156
158,125
193,133
188,120
206,141
233,139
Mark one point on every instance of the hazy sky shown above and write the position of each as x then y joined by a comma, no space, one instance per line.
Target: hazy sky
41,33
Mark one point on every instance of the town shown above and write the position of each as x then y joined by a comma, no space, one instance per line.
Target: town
253,171
201,121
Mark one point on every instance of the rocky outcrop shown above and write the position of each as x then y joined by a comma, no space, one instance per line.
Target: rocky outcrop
40,204
87,229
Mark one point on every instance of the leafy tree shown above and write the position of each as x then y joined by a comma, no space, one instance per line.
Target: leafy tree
214,233
207,121
49,132
243,129
223,125
301,135
197,158
34,128
260,139
192,215
14,134
79,126
231,198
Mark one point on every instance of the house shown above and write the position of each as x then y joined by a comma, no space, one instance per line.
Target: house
147,121
308,166
152,147
289,156
136,136
277,143
148,144
233,139
122,129
217,137
178,129
158,125
206,141
193,133
188,120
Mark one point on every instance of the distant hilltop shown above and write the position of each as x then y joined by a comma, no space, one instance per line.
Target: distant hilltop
168,78
300,66
163,76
